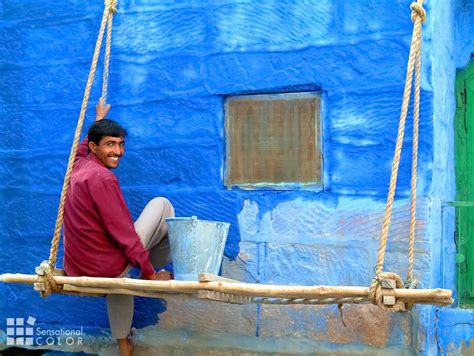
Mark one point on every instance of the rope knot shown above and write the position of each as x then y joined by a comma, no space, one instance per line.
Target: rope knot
47,283
378,292
111,5
417,11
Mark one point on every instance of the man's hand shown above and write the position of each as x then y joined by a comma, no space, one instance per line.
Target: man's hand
101,109
161,276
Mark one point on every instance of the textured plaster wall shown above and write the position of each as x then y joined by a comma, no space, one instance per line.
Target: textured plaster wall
453,50
173,65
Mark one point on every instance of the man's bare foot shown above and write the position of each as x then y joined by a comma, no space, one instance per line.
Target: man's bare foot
161,276
125,347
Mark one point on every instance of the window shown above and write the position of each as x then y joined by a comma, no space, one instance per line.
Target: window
273,141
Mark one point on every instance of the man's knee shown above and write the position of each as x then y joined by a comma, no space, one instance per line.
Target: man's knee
163,205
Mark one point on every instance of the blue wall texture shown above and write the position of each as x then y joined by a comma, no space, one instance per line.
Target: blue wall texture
173,65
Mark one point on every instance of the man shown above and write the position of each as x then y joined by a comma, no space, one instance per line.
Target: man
100,238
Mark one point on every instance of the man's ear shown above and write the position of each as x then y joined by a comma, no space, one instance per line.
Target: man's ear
92,146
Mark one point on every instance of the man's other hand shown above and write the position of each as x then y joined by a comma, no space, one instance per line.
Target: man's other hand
161,276
101,109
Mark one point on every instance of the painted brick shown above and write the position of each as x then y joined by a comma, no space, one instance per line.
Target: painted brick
334,220
245,267
319,264
21,10
244,26
363,131
365,324
34,85
32,169
161,78
455,330
25,126
57,308
152,342
25,260
26,44
165,121
180,30
352,19
193,165
29,213
269,72
193,315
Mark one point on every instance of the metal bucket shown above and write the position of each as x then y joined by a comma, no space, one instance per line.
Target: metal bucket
196,246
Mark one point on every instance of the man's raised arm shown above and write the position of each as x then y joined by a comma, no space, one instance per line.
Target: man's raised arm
101,111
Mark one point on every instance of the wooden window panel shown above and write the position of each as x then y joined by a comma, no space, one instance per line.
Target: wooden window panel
464,149
273,140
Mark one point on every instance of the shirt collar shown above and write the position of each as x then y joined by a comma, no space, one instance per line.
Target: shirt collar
92,157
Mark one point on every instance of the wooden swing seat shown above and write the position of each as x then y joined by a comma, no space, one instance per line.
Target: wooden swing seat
221,289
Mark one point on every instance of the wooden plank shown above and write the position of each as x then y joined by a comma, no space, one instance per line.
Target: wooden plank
260,290
95,291
209,277
428,296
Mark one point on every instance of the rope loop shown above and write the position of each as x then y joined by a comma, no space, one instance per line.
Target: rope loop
111,5
377,292
413,284
46,277
417,11
414,65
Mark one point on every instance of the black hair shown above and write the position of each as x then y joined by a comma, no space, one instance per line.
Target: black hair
105,127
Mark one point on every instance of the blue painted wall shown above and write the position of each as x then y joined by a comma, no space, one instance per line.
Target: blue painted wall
173,65
453,50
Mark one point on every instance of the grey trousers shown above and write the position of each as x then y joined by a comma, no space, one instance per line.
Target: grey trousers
153,232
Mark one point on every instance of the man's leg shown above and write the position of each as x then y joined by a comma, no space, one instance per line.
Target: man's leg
120,312
153,231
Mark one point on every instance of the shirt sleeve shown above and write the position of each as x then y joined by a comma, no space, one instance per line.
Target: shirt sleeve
117,220
82,149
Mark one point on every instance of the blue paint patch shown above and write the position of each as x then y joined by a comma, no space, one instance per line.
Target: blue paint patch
455,327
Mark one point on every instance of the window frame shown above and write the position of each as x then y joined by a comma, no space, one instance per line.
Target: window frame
319,144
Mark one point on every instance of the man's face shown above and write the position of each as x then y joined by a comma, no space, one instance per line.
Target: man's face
109,150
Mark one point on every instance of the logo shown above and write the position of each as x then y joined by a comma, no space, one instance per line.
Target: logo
22,332
18,333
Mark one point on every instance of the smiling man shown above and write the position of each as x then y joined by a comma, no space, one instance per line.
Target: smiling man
100,237
107,149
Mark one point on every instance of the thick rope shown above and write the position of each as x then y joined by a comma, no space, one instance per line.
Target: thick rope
414,169
414,51
108,45
418,16
316,301
110,7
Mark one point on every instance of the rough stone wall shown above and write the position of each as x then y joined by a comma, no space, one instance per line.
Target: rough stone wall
173,64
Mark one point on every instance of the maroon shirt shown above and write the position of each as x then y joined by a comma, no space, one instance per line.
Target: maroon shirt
99,236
